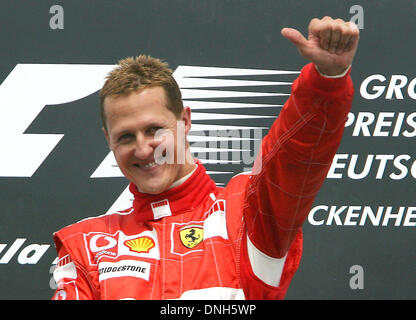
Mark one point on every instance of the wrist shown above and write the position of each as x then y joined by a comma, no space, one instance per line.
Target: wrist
325,84
332,72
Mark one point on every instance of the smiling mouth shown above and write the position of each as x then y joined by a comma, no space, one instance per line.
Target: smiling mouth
149,165
153,164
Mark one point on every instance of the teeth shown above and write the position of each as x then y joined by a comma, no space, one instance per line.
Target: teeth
149,165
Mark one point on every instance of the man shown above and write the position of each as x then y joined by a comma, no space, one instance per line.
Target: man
184,237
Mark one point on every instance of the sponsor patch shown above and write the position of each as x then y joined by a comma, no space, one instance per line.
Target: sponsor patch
65,269
124,268
187,237
215,224
60,295
191,235
161,209
217,206
101,245
141,244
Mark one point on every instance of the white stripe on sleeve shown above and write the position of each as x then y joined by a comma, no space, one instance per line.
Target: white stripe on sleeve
267,269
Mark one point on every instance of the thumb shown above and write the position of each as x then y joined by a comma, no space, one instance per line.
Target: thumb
295,37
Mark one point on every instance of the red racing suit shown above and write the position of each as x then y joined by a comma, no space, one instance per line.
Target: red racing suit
200,241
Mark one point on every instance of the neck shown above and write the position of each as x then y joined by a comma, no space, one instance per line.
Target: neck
188,168
184,178
191,192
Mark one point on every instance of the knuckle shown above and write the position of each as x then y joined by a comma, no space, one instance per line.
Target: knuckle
328,27
356,31
314,23
352,26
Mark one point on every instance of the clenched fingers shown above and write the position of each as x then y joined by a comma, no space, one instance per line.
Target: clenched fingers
335,36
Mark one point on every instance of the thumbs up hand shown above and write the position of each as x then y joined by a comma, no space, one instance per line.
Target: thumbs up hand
331,44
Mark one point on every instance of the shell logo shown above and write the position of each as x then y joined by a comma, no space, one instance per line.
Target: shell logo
140,245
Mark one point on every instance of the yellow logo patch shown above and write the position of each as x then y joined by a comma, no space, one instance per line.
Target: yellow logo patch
140,245
191,235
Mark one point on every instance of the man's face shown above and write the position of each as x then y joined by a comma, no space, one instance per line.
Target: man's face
133,134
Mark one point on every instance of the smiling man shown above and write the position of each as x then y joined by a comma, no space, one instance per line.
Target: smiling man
184,237
132,123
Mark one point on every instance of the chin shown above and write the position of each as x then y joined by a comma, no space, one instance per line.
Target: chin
152,189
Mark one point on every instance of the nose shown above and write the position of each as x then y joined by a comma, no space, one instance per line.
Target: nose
144,148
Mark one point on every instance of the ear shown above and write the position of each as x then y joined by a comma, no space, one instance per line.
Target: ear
107,138
186,118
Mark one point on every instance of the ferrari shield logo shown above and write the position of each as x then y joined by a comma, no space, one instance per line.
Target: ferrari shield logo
191,235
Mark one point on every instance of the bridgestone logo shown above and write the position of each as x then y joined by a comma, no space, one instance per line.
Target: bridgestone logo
122,268
125,268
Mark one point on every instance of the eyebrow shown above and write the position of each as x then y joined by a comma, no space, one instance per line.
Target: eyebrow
150,124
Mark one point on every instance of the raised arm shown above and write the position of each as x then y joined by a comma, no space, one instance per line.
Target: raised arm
297,152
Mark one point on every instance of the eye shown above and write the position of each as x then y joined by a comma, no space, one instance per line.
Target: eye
124,138
152,130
